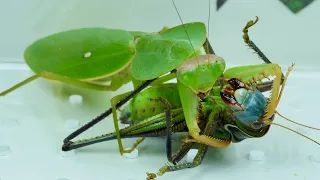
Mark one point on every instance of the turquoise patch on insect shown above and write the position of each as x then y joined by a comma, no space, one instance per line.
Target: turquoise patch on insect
254,105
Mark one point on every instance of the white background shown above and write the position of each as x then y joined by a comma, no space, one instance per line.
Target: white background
33,117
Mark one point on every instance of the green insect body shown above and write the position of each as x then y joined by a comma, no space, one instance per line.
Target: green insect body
143,106
88,57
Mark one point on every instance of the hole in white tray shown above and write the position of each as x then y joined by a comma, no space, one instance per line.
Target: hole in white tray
255,155
75,99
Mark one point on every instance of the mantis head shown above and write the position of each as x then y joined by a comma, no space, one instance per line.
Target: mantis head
201,72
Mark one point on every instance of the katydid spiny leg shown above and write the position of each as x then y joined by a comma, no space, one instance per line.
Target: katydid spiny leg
184,148
167,108
209,130
141,129
109,111
182,151
104,115
267,85
208,48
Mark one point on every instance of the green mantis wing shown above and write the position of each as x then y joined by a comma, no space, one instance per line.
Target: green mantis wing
160,53
86,53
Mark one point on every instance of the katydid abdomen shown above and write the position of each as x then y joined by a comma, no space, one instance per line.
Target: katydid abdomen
143,106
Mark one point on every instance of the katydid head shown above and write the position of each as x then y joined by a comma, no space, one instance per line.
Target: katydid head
248,104
201,72
249,108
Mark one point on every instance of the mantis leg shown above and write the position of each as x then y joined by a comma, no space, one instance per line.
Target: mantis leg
190,103
57,77
114,101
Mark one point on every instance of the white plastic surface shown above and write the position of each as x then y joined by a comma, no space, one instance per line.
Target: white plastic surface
42,107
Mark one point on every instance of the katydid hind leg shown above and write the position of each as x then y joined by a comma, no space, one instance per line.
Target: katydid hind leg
268,85
167,108
208,48
107,112
202,150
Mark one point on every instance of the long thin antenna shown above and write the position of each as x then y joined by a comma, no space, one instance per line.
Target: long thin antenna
209,19
296,122
270,122
183,25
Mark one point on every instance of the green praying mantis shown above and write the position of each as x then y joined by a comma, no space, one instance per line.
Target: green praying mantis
215,106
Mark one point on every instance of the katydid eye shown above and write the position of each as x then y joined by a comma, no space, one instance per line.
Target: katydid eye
256,125
236,83
228,99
